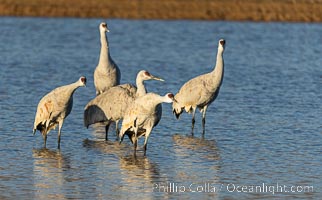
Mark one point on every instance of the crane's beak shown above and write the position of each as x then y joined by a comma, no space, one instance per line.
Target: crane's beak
174,100
107,30
156,78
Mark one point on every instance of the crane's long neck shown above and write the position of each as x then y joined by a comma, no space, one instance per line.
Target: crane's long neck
72,87
104,54
218,72
140,91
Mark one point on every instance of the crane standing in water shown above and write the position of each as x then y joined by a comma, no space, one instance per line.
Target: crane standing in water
201,91
54,107
140,118
107,74
110,106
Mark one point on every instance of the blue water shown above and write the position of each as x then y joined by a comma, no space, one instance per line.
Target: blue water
264,131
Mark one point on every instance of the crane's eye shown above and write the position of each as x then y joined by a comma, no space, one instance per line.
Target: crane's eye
147,73
83,79
104,25
171,96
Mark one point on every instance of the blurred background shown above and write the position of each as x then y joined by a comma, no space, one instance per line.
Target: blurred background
249,10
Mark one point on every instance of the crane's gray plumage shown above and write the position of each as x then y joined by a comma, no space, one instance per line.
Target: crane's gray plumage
54,107
107,74
139,118
110,106
202,90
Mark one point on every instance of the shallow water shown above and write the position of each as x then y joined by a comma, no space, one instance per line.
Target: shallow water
263,131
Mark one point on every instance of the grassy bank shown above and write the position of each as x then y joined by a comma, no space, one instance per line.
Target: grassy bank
240,10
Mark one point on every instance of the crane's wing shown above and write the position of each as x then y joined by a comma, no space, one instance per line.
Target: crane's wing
130,88
130,117
110,105
192,92
44,111
93,114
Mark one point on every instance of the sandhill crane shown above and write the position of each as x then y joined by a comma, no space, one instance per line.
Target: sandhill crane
54,107
107,74
201,91
139,118
110,106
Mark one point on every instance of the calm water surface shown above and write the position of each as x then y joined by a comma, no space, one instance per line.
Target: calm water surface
264,129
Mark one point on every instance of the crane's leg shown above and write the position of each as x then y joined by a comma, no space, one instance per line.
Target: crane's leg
60,125
193,119
135,146
106,131
117,129
122,137
204,118
147,135
135,140
45,131
44,135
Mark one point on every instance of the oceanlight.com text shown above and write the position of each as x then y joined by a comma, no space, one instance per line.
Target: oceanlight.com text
268,188
208,187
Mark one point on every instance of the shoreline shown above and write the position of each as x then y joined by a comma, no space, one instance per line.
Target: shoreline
228,10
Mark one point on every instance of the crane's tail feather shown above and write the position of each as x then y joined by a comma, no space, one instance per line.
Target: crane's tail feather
93,114
121,136
177,109
127,132
176,114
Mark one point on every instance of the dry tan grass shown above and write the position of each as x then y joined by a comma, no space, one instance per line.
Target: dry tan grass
240,10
